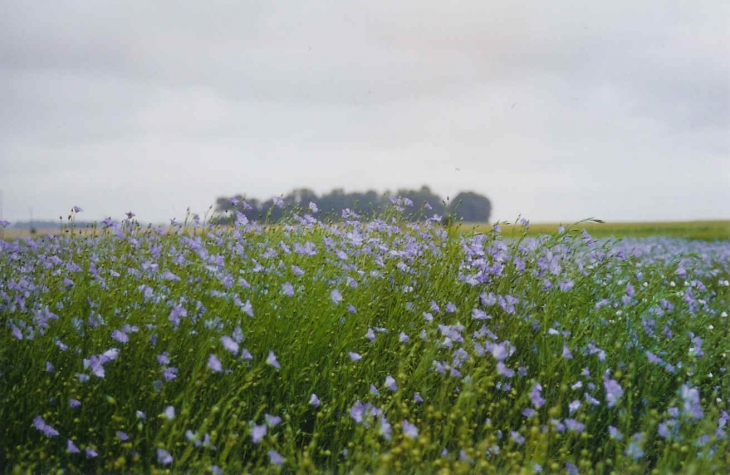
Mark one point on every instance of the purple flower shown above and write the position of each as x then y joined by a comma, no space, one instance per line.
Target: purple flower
17,333
214,363
529,412
120,336
74,403
478,314
71,447
504,370
593,349
404,338
385,428
613,390
634,450
164,457
336,296
573,425
653,358
566,353
409,430
571,468
517,438
450,307
630,290
248,308
122,436
4,224
314,400
275,458
592,400
169,373
77,209
141,415
614,433
246,355
229,344
169,275
501,351
664,429
41,425
574,406
90,453
272,421
417,397
355,356
169,412
288,289
96,366
374,391
536,397
691,398
271,360
357,411
258,433
163,358
370,334
390,383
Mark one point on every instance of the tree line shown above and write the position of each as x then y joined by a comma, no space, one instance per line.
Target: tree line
413,204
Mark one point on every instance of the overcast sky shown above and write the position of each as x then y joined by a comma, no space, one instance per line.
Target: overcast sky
556,110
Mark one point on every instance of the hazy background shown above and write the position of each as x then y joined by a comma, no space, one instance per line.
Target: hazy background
555,110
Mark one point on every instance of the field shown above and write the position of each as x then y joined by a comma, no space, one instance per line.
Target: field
694,230
364,347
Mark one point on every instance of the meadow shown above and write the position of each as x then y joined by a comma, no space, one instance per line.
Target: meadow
366,346
693,230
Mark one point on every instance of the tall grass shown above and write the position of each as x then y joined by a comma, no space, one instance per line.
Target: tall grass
362,346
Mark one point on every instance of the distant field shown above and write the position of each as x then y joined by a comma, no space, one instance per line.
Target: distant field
695,230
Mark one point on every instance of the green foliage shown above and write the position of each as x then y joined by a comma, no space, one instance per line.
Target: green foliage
468,206
395,279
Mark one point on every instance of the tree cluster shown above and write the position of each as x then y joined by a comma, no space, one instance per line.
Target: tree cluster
414,205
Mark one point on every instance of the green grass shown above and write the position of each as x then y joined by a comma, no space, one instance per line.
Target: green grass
694,230
393,277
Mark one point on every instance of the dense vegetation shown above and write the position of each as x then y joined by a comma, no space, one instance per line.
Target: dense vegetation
362,345
465,206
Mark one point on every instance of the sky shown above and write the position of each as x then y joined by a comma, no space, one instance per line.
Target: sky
556,111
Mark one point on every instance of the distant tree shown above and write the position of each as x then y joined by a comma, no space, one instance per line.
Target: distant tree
471,207
422,200
426,204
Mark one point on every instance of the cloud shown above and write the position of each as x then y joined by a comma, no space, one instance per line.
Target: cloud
555,110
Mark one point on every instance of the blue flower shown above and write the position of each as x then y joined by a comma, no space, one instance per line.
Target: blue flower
409,430
258,433
272,361
164,457
41,425
275,458
214,363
